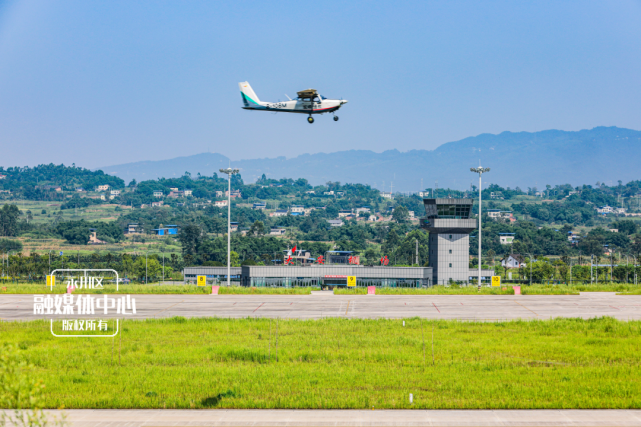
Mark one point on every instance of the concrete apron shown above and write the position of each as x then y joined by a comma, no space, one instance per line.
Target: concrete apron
337,418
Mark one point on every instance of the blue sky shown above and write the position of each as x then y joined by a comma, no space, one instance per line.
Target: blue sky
102,83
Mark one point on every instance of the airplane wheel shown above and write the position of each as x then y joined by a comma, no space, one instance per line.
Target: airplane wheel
310,119
335,118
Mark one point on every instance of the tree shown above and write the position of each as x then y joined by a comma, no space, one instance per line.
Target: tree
401,214
257,229
21,392
151,269
9,220
7,245
190,237
625,226
235,259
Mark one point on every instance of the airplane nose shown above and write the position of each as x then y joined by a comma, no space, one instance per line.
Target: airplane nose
344,101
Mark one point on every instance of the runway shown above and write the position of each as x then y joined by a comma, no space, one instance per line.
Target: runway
461,307
337,418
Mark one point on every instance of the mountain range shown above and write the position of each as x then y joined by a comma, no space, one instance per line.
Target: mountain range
524,159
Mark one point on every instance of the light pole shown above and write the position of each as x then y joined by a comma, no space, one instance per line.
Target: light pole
531,261
480,170
146,253
163,266
229,172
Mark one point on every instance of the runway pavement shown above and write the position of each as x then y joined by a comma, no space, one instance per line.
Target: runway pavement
311,418
462,307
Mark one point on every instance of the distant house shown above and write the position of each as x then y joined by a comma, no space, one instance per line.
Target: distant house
102,188
175,194
614,230
362,209
219,194
605,210
310,192
103,197
387,195
156,204
259,206
93,240
234,193
166,230
344,213
297,210
80,190
233,226
188,193
506,238
173,189
158,193
279,212
277,231
309,210
499,214
220,203
340,193
372,218
619,210
133,229
328,193
573,237
335,222
115,192
514,261
3,176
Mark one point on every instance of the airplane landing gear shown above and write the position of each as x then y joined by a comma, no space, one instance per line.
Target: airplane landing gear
335,118
310,120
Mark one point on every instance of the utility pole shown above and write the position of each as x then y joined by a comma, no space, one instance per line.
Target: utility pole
417,264
229,171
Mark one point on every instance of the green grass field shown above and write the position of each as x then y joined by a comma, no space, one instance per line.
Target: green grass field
339,363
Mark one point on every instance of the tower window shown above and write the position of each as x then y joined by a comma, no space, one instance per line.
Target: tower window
450,250
450,264
450,237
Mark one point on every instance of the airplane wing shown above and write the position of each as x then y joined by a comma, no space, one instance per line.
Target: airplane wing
307,94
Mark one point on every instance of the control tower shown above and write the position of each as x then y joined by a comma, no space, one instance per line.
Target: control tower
449,223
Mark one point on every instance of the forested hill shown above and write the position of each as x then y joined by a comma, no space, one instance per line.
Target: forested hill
28,182
525,159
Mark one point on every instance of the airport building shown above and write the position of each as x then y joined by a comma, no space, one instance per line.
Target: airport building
315,275
449,223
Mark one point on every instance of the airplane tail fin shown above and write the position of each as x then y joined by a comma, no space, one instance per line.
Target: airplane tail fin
249,96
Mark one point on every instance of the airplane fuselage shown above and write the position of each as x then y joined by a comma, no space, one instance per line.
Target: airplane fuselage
299,106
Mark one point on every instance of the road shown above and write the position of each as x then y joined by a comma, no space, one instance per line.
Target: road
310,418
461,307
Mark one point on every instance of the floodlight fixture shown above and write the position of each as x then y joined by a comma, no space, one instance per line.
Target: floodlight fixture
479,170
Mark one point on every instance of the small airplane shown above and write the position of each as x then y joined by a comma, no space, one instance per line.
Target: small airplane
308,102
